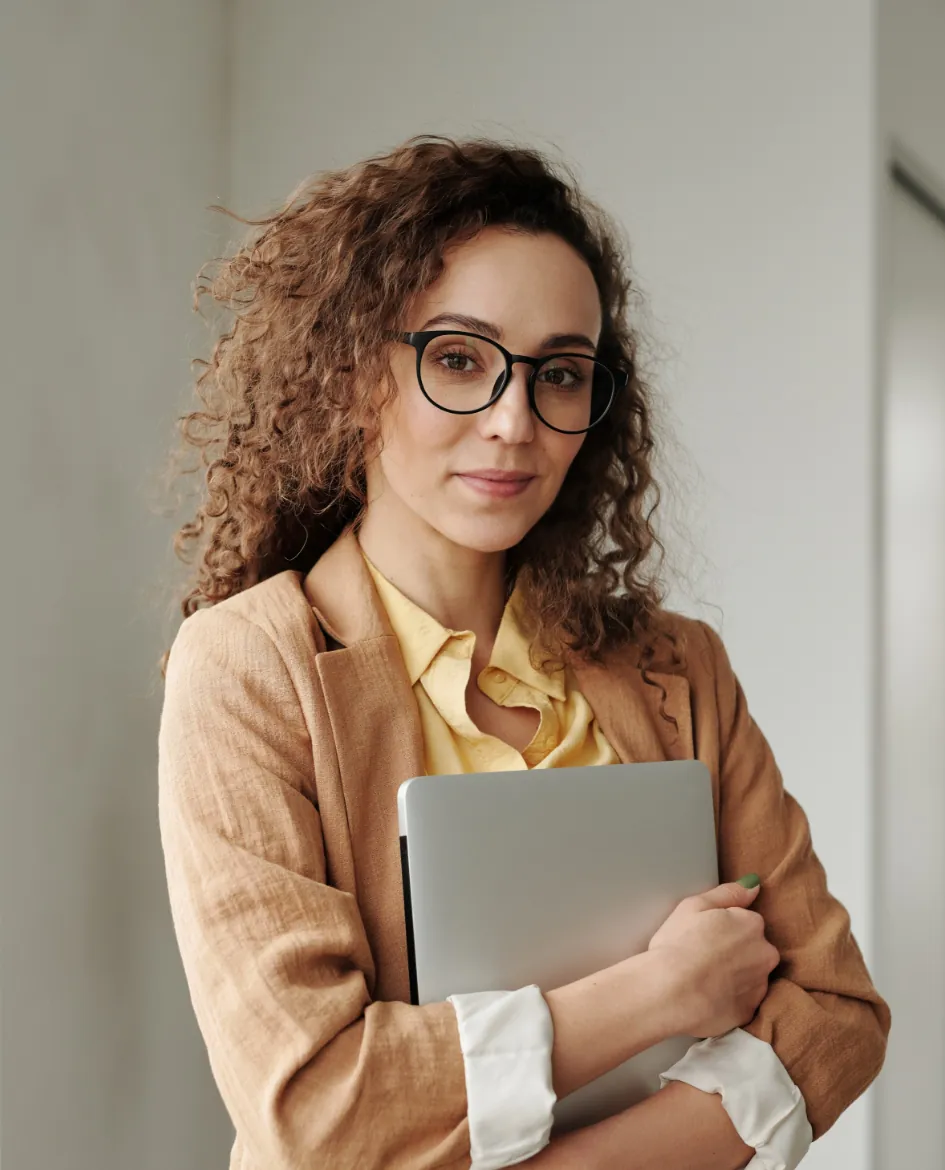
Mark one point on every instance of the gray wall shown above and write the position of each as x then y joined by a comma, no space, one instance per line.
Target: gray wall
113,117
741,145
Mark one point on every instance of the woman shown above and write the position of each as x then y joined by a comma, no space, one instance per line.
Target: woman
424,546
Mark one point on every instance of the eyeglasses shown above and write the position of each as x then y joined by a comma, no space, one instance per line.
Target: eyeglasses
463,373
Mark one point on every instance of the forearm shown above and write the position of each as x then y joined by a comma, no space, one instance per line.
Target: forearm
678,1128
606,1018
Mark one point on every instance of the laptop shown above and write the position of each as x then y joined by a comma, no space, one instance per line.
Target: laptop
549,874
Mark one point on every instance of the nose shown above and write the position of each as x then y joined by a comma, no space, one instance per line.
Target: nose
511,418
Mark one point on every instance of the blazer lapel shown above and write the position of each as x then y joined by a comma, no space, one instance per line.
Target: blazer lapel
628,709
378,744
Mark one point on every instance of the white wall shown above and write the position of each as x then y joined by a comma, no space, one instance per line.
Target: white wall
912,82
910,892
737,143
910,897
113,133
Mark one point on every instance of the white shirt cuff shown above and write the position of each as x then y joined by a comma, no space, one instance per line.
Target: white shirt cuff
506,1039
765,1106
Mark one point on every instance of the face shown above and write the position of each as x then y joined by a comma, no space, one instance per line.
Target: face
528,292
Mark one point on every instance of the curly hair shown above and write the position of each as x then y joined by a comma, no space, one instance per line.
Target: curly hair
314,294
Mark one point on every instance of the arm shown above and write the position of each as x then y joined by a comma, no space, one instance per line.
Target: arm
678,1128
823,1017
312,1072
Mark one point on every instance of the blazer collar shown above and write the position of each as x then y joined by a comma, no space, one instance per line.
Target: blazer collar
342,593
340,590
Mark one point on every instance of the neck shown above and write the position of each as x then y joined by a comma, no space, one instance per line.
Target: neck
462,588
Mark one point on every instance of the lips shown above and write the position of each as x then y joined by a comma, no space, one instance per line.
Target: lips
496,484
496,476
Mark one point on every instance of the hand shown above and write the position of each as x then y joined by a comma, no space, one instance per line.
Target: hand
717,959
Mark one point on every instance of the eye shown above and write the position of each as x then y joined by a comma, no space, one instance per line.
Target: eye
562,377
459,363
455,360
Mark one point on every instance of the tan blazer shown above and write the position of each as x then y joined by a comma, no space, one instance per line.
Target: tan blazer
280,757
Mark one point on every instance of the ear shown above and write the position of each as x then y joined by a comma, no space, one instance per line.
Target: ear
364,418
367,420
371,405
363,412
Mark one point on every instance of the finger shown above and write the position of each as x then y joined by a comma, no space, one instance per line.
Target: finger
725,895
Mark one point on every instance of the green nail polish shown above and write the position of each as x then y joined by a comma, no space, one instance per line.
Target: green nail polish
749,881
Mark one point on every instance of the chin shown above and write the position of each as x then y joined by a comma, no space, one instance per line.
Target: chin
485,535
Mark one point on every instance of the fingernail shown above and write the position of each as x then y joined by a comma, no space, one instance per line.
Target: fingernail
749,881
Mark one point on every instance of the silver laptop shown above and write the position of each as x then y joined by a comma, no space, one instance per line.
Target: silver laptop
546,875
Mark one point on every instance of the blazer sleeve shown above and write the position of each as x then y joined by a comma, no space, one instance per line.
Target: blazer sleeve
312,1072
822,1015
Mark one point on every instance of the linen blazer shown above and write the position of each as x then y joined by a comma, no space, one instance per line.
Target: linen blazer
288,725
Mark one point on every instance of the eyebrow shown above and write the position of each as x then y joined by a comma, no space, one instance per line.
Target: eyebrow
487,329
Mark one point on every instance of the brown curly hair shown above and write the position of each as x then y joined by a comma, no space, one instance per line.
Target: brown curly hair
314,294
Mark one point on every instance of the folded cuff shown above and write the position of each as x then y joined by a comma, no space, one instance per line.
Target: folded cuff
763,1103
506,1039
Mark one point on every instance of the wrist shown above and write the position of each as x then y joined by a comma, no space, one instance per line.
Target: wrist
658,990
605,1018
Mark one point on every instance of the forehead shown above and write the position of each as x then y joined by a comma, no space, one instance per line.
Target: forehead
528,285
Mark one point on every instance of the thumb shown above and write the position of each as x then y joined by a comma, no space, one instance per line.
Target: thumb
740,893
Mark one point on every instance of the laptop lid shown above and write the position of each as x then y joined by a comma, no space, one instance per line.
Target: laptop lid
549,874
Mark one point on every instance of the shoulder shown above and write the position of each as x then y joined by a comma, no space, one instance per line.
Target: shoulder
716,696
694,651
706,650
680,649
685,646
234,700
271,617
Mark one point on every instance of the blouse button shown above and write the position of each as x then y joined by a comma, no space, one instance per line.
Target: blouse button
500,676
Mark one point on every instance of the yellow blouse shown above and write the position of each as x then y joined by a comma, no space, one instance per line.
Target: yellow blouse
438,662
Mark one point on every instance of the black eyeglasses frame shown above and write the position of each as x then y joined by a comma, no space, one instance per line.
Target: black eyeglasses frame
419,339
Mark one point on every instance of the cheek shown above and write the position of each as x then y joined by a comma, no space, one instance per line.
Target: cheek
417,437
561,451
